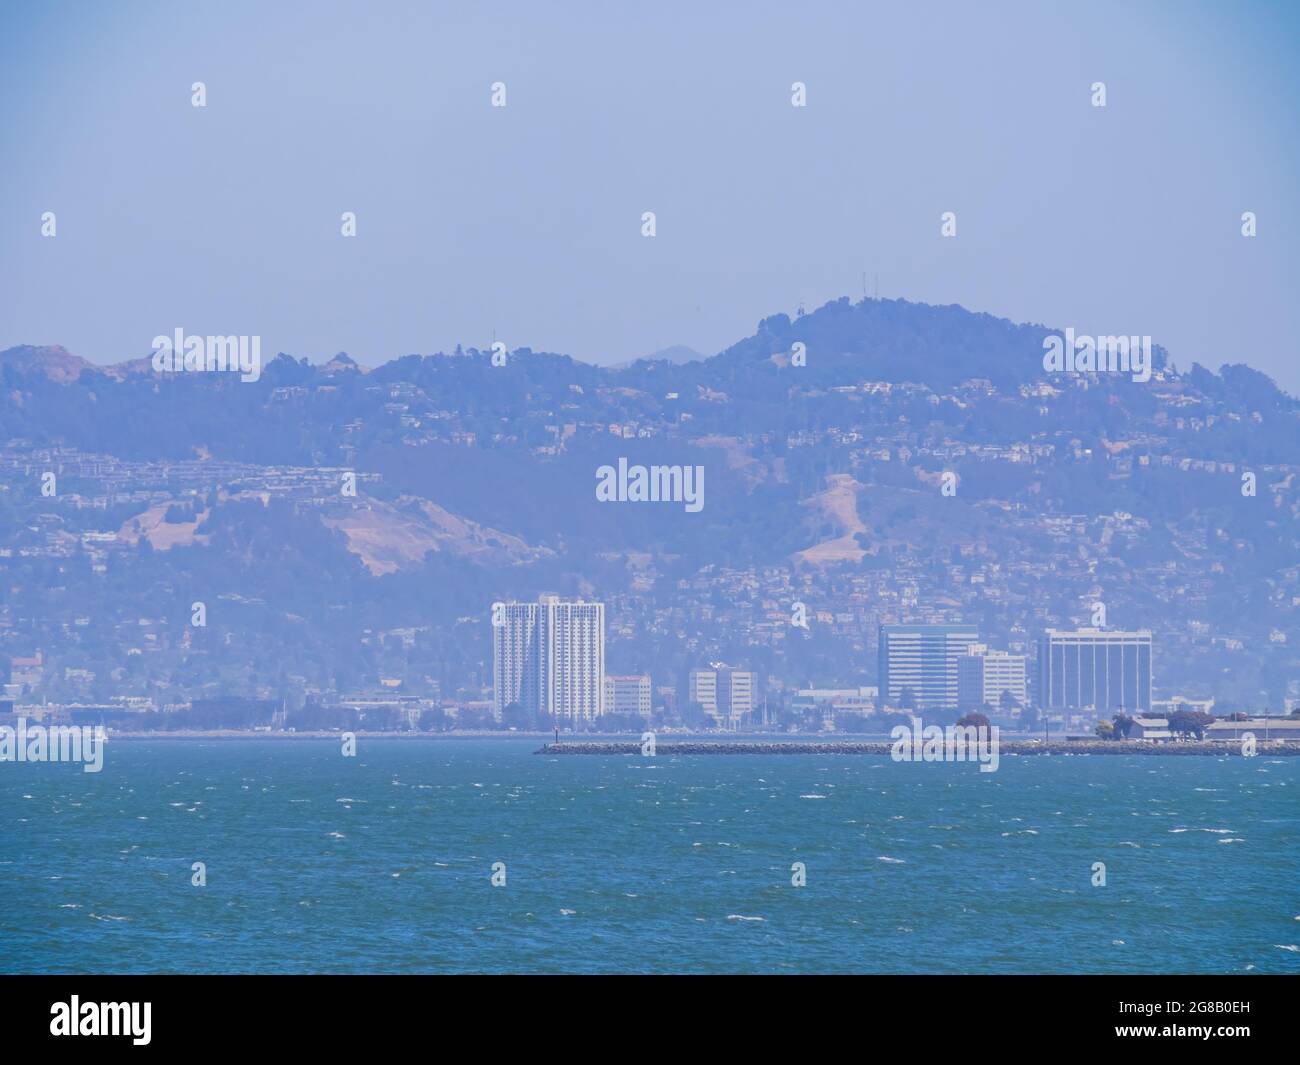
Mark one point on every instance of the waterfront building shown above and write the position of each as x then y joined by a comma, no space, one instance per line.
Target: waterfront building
1149,728
728,695
1107,670
922,660
549,657
984,677
627,694
1265,730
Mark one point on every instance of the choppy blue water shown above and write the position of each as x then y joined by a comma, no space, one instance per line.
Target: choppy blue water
382,863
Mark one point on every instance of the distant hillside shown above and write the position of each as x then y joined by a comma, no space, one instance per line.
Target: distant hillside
54,362
677,354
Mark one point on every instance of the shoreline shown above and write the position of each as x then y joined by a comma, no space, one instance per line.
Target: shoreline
611,744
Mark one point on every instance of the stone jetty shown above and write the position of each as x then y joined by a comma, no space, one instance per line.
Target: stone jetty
1218,748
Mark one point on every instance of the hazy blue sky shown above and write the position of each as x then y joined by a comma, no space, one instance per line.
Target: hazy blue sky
526,220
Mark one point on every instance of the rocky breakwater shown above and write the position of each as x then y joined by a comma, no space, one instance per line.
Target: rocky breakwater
1220,748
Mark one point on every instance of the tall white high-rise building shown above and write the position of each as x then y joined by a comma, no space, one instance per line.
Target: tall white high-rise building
515,656
549,657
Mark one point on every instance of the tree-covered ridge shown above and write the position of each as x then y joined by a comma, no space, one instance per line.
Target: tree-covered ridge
475,482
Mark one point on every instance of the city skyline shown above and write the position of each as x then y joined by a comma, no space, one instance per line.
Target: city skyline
864,497
696,489
549,667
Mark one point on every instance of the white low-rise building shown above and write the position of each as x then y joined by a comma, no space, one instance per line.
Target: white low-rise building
1274,728
1150,728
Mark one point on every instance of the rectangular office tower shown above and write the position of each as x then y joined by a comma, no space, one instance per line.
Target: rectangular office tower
920,661
727,695
986,678
1099,668
549,657
627,694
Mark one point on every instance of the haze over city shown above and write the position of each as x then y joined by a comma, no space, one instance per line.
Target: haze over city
522,223
712,489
